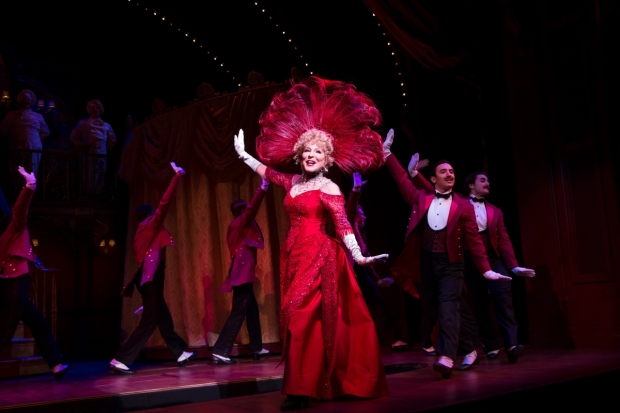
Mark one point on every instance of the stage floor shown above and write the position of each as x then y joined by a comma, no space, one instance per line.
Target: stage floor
548,376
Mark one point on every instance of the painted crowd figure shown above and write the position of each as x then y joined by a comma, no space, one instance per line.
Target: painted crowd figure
95,137
24,129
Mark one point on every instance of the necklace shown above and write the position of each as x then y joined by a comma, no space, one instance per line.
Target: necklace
308,183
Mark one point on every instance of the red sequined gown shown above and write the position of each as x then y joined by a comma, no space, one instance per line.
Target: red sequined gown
330,342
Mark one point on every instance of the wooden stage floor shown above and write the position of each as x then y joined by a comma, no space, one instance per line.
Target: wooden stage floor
542,378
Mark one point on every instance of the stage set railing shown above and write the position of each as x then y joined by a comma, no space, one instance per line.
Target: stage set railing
67,175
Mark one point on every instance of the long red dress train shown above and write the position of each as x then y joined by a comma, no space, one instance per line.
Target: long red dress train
330,342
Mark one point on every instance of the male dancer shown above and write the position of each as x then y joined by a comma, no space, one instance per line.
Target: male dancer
367,278
492,230
15,256
444,224
244,237
149,245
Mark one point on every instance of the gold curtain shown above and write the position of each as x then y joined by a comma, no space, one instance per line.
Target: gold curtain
199,138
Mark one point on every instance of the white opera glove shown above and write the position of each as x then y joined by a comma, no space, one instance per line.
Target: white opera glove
492,275
31,180
413,165
524,272
264,185
352,245
243,155
358,183
387,144
177,169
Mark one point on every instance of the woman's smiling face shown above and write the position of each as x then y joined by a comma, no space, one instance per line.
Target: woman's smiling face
313,158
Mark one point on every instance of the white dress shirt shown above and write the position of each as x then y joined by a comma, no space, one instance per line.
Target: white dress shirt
480,209
438,213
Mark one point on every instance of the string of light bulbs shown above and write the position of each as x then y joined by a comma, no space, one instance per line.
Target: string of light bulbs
186,34
289,38
390,43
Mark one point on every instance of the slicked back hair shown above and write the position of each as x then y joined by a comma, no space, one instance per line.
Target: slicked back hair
238,207
143,212
471,179
434,166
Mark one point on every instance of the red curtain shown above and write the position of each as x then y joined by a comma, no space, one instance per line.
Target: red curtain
199,138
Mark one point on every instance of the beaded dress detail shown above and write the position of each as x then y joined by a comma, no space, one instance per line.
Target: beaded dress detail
315,278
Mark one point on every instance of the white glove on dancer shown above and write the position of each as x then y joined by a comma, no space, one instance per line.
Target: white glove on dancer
31,181
413,165
264,185
492,275
243,155
524,272
177,170
357,182
387,144
352,245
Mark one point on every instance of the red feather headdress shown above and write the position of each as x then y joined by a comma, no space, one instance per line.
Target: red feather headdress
334,107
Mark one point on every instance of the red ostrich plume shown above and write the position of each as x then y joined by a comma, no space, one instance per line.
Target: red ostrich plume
335,107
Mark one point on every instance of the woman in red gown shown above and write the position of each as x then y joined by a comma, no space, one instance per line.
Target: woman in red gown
330,346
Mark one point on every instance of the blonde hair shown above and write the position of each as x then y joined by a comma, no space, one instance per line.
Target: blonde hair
319,138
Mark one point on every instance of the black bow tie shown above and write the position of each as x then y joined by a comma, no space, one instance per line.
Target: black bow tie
481,200
444,196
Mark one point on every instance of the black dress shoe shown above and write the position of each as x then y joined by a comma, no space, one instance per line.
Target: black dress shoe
217,360
294,403
464,367
182,363
116,370
429,353
445,371
492,355
513,355
59,375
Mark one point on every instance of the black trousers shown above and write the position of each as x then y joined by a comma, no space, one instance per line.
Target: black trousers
482,292
429,317
155,314
442,283
385,321
15,306
244,306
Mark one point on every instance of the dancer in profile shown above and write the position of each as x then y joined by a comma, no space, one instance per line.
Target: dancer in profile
149,246
330,347
494,235
243,237
15,255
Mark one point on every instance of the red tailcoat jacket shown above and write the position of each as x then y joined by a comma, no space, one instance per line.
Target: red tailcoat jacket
243,238
151,238
15,246
462,229
495,225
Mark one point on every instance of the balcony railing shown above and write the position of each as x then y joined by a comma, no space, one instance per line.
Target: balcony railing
67,176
